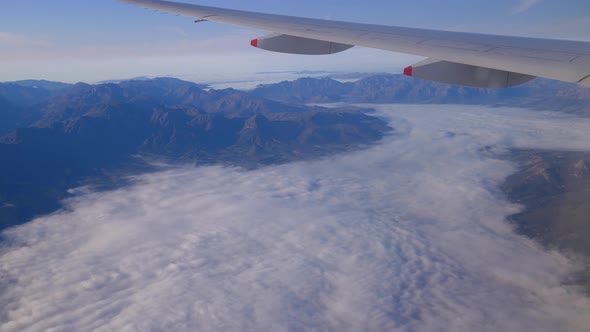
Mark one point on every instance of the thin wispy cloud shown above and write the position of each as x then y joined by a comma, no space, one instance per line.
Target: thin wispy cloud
409,235
524,5
9,39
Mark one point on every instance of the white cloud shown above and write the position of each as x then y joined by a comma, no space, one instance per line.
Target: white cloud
408,235
524,5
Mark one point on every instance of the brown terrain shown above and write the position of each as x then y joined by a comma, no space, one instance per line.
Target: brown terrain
554,187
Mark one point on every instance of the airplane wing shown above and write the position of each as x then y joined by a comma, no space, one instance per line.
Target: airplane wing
460,58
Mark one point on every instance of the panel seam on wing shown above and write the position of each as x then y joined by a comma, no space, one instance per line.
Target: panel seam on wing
583,79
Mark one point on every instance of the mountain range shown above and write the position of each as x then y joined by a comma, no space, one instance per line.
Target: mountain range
540,94
57,136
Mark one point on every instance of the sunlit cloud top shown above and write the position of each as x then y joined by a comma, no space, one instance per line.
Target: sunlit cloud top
408,235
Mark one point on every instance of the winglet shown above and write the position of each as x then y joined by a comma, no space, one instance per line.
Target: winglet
409,71
254,42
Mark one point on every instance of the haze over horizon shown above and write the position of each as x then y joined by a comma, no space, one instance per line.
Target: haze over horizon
91,41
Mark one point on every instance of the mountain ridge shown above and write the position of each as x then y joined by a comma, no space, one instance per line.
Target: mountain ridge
540,94
68,136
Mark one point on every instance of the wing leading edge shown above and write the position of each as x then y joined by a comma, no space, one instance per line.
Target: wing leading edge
471,59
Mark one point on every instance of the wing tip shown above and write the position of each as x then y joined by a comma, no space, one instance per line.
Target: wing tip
254,42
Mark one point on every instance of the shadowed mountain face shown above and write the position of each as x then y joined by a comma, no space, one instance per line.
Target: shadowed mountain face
58,139
539,93
8,116
19,106
23,95
555,187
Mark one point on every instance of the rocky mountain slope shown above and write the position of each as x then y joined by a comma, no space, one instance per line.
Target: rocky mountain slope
58,139
555,188
537,94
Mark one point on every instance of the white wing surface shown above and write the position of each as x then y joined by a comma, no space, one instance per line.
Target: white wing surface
454,57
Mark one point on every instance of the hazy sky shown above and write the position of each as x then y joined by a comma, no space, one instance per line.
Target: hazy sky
90,40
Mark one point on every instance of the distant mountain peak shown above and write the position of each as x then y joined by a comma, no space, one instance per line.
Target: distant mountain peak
41,84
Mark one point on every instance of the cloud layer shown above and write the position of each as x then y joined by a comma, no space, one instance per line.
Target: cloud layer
408,235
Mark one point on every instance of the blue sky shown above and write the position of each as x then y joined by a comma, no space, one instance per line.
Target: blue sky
92,40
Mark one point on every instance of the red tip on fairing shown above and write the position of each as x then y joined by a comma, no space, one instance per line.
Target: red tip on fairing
409,71
254,42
